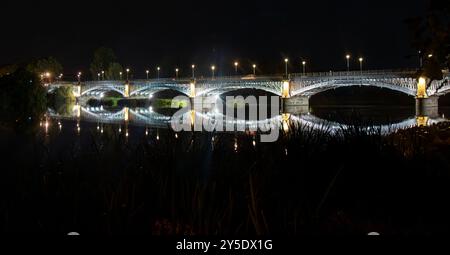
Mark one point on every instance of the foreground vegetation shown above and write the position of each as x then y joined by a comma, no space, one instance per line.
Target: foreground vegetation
309,182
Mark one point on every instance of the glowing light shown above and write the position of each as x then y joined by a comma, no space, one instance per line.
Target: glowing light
286,60
176,136
254,66
158,68
422,88
347,56
192,90
236,64
430,55
304,63
128,70
47,74
254,143
361,59
235,145
147,71
193,66
286,89
146,132
213,68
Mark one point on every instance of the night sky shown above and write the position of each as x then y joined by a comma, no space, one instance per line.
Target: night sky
172,34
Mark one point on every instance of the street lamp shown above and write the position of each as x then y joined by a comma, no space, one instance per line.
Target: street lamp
361,64
158,69
147,71
420,59
79,77
304,68
128,71
103,75
430,55
176,72
98,76
254,69
120,75
286,66
213,68
236,64
193,71
348,62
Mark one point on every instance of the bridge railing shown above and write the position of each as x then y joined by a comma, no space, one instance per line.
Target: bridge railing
355,73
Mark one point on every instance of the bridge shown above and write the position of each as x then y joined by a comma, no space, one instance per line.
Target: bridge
296,90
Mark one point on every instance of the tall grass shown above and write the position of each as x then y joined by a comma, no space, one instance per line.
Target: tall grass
309,182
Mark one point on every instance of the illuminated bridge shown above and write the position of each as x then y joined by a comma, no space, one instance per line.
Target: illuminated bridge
296,90
298,84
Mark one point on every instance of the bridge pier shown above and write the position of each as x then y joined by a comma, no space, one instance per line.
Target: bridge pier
295,105
428,107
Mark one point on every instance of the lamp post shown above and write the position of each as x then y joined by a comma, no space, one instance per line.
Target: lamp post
304,67
254,69
157,70
193,71
286,66
420,59
98,76
236,64
128,71
213,68
147,72
361,64
120,75
348,63
176,73
79,77
103,75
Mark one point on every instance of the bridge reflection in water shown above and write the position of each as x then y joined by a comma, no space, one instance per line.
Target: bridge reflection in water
147,117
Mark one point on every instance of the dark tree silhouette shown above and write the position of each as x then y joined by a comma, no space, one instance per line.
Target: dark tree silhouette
431,38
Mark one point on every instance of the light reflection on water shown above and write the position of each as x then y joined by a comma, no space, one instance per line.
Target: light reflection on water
333,119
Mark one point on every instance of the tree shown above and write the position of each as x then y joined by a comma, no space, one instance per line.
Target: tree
41,66
113,72
431,38
22,96
103,58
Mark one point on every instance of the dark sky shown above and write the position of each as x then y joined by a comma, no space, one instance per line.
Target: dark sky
145,34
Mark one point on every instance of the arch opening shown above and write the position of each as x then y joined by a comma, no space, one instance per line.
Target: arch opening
363,105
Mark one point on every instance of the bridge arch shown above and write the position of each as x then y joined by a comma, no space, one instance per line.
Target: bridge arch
221,87
147,91
403,85
101,90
